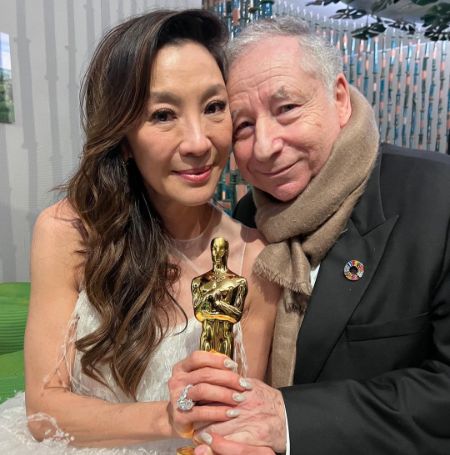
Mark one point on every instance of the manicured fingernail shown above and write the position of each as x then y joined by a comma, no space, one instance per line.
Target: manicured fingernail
232,365
245,383
239,397
205,437
233,412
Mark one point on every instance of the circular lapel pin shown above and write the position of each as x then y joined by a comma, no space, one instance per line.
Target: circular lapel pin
353,270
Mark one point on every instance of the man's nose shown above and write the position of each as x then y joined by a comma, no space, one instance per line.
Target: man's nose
195,140
267,139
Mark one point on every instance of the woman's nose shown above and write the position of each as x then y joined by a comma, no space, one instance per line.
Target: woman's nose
195,140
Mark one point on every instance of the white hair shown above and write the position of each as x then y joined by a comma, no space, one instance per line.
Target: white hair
322,58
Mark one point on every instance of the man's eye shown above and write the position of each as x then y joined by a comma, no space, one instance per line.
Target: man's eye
287,108
162,116
241,130
215,107
241,126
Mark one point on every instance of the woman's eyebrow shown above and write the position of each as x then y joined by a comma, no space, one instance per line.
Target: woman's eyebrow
164,97
214,89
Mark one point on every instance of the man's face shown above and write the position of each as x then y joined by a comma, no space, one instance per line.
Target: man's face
285,120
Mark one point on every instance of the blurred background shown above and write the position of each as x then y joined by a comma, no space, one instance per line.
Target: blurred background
395,52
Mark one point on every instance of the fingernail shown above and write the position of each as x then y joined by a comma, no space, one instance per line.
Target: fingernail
205,437
245,383
232,365
239,397
233,412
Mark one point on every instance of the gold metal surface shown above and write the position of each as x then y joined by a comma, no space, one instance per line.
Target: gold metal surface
185,451
218,297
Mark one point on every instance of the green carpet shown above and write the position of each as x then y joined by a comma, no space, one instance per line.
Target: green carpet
16,290
14,298
11,374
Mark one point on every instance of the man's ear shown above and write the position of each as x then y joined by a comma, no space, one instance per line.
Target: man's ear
342,99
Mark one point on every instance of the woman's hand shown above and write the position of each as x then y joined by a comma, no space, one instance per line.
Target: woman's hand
211,382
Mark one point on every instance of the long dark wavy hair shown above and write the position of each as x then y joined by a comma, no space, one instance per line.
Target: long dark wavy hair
128,276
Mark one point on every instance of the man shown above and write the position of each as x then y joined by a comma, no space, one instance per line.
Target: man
360,240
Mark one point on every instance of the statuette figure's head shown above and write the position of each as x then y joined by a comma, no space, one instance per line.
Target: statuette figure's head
219,251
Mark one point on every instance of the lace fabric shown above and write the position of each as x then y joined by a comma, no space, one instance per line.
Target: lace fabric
194,258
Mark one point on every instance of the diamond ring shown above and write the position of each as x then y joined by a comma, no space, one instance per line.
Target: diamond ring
184,403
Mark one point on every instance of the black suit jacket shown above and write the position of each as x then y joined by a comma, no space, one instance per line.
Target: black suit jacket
372,372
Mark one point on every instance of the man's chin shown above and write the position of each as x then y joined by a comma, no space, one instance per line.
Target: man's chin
285,193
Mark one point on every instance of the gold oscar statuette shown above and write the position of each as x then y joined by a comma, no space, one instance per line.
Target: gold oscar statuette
218,297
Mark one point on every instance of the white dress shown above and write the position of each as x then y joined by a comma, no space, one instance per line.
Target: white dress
194,259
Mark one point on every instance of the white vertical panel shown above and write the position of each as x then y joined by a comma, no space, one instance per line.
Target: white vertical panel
51,43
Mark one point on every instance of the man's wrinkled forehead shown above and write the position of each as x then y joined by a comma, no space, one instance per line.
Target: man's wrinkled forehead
282,93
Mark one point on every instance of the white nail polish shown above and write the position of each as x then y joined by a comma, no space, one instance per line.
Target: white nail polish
233,412
206,438
239,397
230,364
245,383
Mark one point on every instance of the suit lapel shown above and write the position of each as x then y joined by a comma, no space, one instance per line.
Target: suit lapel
335,298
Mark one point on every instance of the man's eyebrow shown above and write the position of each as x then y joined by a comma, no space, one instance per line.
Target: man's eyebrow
281,94
234,114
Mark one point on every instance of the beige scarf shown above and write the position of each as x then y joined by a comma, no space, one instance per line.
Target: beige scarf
300,232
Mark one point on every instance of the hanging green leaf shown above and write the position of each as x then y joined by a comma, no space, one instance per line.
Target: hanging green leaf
405,26
349,13
437,15
437,33
435,22
423,2
363,33
369,31
322,2
380,5
378,26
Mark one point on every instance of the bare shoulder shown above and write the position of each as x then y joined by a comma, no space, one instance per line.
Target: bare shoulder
57,224
56,277
56,240
58,218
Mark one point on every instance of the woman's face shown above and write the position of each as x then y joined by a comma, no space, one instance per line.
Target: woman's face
183,142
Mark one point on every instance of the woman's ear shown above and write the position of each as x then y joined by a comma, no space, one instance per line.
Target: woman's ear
125,149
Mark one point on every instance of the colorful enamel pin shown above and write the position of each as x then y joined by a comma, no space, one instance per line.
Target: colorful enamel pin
353,270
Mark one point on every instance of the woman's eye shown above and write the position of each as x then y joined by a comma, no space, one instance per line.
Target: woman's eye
162,116
215,107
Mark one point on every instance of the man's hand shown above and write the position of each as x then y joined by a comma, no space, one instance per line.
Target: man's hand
260,422
218,445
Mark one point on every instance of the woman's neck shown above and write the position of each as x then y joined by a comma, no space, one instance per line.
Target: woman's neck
184,223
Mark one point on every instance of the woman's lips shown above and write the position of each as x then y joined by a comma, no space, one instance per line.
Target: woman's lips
195,175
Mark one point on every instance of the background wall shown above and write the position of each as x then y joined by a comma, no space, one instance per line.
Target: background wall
51,42
408,83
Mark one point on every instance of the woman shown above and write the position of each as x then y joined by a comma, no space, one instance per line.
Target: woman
112,264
